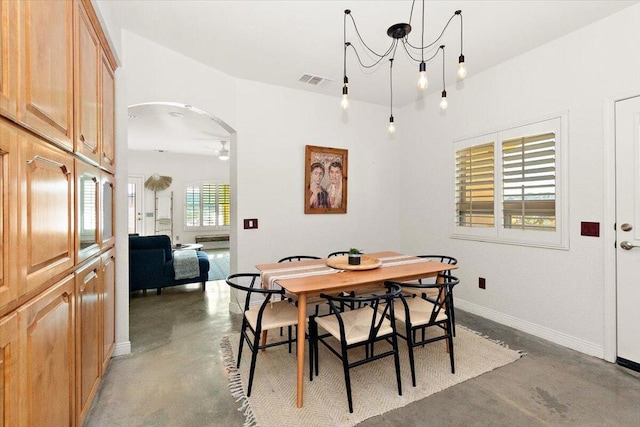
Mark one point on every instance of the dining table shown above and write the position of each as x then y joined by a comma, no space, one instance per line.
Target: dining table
310,278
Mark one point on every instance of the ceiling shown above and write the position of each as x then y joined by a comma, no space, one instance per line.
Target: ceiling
277,42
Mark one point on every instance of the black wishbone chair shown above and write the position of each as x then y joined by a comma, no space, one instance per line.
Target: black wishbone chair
446,259
420,311
312,301
337,253
373,323
269,314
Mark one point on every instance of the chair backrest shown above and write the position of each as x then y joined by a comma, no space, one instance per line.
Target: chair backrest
446,259
251,283
440,301
293,258
338,253
381,305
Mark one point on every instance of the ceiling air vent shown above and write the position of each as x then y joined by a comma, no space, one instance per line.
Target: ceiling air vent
314,80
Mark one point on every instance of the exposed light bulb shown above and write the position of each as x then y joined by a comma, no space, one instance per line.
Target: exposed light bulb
392,126
345,98
443,102
462,68
423,82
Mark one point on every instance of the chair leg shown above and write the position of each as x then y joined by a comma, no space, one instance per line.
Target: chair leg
242,338
452,313
410,341
347,379
312,344
158,291
450,341
289,337
204,284
396,360
254,356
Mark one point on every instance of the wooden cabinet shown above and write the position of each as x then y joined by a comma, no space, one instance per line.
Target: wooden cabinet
46,68
47,215
57,244
108,305
107,140
107,208
9,372
88,339
9,58
87,210
9,162
47,366
87,65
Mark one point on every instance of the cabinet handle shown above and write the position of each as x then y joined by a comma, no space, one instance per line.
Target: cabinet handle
52,162
81,137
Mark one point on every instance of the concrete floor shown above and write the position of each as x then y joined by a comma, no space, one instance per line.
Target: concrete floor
175,376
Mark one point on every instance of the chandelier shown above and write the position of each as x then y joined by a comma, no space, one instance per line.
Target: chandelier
417,53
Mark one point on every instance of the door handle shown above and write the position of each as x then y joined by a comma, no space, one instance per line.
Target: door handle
627,246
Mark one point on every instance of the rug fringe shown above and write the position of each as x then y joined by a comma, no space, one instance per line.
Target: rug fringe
235,383
500,343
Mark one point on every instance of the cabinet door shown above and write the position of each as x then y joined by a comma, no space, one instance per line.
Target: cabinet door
9,58
87,59
88,342
9,373
87,210
107,208
108,305
9,158
107,142
47,215
47,367
46,68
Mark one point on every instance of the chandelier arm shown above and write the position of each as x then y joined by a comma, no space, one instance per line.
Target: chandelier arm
362,41
422,40
461,27
363,65
436,40
416,60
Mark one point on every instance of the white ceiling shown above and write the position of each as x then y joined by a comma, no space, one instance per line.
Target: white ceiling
276,42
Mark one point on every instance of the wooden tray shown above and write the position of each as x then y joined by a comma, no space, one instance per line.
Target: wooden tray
342,263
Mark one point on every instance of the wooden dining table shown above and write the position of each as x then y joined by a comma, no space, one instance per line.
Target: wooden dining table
305,283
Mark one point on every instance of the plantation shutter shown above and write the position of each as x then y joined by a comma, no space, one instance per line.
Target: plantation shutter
192,207
475,186
209,205
529,182
224,204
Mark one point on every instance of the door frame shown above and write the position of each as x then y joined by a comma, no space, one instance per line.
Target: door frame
609,235
142,205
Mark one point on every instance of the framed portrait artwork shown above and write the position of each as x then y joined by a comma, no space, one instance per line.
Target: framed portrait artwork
325,188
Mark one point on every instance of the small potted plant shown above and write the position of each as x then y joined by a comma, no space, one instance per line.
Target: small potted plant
354,256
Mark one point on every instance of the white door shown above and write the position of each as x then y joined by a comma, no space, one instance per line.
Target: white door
628,231
134,204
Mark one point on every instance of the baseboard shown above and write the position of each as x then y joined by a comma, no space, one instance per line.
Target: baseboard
122,349
534,329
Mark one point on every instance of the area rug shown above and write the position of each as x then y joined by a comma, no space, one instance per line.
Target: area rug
273,398
218,266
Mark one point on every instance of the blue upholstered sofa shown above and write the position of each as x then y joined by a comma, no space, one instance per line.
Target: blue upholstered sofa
151,264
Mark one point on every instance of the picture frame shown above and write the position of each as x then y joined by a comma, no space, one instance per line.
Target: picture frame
325,183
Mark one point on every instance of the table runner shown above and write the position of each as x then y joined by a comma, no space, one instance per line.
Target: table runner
269,277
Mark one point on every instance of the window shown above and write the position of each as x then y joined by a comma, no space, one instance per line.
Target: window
509,186
207,205
474,186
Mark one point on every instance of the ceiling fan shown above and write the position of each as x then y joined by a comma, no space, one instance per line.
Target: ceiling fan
223,153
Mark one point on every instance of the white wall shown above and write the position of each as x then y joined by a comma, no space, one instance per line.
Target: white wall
274,125
183,169
555,294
